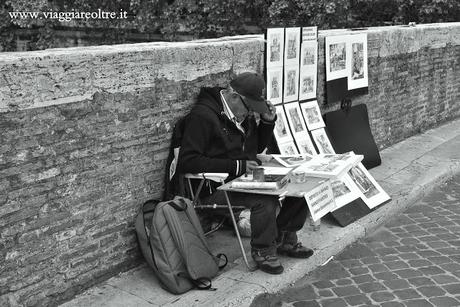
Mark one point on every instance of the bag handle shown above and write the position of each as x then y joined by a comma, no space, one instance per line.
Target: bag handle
202,283
345,105
181,206
220,255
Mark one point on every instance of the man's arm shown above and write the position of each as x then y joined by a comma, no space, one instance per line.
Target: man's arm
196,139
266,125
265,133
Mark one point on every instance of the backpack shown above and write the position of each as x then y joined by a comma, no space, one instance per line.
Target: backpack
173,243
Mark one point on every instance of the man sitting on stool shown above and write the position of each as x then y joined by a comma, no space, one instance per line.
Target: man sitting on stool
223,134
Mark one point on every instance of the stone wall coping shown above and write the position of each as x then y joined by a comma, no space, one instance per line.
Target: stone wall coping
138,47
58,76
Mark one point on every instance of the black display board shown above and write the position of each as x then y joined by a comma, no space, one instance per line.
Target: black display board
351,212
348,130
337,90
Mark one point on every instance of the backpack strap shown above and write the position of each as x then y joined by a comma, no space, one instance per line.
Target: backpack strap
148,207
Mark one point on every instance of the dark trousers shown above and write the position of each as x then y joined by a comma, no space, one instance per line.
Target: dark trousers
265,225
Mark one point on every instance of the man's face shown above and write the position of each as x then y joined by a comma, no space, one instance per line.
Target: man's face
236,104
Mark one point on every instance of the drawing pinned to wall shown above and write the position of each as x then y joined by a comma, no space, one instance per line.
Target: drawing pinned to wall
357,61
307,85
312,115
274,85
291,83
336,57
292,46
308,70
309,53
275,47
322,141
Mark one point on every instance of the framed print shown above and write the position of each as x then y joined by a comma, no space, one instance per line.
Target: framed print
307,85
336,57
312,115
309,53
357,61
291,83
292,46
294,116
275,85
322,141
306,145
275,47
371,192
282,132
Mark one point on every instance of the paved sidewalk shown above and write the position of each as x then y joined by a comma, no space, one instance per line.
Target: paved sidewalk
409,171
413,261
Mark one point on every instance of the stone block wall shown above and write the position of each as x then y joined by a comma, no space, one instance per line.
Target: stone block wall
85,132
84,137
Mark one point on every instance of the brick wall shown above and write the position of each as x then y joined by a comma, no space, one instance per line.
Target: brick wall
84,134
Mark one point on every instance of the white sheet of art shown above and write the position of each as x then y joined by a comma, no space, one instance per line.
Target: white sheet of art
371,192
291,83
292,46
282,132
306,145
288,148
275,47
344,191
275,85
357,61
308,70
322,141
336,57
292,160
294,116
312,115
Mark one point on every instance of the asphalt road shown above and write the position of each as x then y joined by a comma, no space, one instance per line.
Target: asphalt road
414,260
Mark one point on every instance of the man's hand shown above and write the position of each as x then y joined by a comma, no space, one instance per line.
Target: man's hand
251,165
272,112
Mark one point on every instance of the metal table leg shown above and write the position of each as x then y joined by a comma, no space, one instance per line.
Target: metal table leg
250,268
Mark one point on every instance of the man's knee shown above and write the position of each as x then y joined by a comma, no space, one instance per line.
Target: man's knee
267,205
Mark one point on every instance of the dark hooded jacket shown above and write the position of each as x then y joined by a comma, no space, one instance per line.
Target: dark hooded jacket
212,143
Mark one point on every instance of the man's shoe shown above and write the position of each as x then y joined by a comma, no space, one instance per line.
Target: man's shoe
294,251
267,263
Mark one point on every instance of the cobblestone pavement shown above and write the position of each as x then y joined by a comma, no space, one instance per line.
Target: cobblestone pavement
414,260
